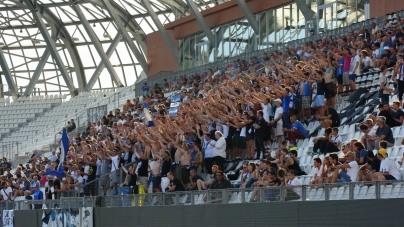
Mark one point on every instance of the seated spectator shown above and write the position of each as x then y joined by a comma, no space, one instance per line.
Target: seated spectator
387,113
6,191
383,133
293,192
175,184
292,163
205,185
330,142
297,130
351,168
249,175
128,105
398,114
220,182
331,118
318,171
193,178
388,170
361,153
371,167
369,129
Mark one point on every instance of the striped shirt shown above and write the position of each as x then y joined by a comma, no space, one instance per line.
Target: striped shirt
401,71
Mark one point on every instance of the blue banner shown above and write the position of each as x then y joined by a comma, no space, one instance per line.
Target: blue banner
176,98
173,111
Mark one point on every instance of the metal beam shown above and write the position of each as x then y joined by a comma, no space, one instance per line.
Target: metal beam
122,30
162,30
97,45
249,16
101,65
206,29
51,45
37,73
7,74
307,12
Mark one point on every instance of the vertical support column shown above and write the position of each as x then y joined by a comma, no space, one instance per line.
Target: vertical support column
96,43
37,73
7,74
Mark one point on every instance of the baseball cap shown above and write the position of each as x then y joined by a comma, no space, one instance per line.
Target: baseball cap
278,100
382,152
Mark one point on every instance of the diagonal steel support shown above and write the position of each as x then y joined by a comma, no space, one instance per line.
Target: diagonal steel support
37,73
162,30
249,16
307,12
96,43
7,74
101,65
125,35
198,16
51,45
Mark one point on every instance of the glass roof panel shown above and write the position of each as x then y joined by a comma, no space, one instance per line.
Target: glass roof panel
23,44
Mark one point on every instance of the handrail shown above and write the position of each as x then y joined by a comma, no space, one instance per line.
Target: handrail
224,196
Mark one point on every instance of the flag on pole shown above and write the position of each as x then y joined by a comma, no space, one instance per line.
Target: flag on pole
64,145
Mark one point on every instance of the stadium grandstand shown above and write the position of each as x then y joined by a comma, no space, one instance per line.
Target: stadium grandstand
147,104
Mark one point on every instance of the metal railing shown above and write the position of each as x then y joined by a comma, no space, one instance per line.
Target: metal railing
323,192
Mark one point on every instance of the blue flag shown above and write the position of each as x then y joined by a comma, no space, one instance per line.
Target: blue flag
65,148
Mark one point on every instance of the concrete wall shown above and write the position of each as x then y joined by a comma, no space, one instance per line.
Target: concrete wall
385,212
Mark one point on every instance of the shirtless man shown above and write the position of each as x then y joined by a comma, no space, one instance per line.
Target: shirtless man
329,86
156,172
177,161
185,165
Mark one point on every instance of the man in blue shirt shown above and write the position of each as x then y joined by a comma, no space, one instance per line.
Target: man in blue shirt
145,89
297,130
38,195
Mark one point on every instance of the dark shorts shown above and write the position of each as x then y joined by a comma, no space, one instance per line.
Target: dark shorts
156,181
298,103
185,175
389,177
243,144
340,79
250,137
306,102
329,90
229,143
352,77
236,140
336,124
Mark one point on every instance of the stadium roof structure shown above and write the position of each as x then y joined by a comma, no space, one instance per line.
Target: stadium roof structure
63,46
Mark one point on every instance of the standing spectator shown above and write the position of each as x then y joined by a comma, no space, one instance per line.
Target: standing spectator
259,132
219,149
114,170
385,93
38,195
145,89
383,133
355,68
277,122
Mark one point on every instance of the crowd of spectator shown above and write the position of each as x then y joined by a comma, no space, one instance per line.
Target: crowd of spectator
235,113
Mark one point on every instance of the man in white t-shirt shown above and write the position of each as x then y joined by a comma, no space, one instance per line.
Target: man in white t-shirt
351,167
292,193
278,122
318,170
355,68
388,170
78,184
6,191
114,166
